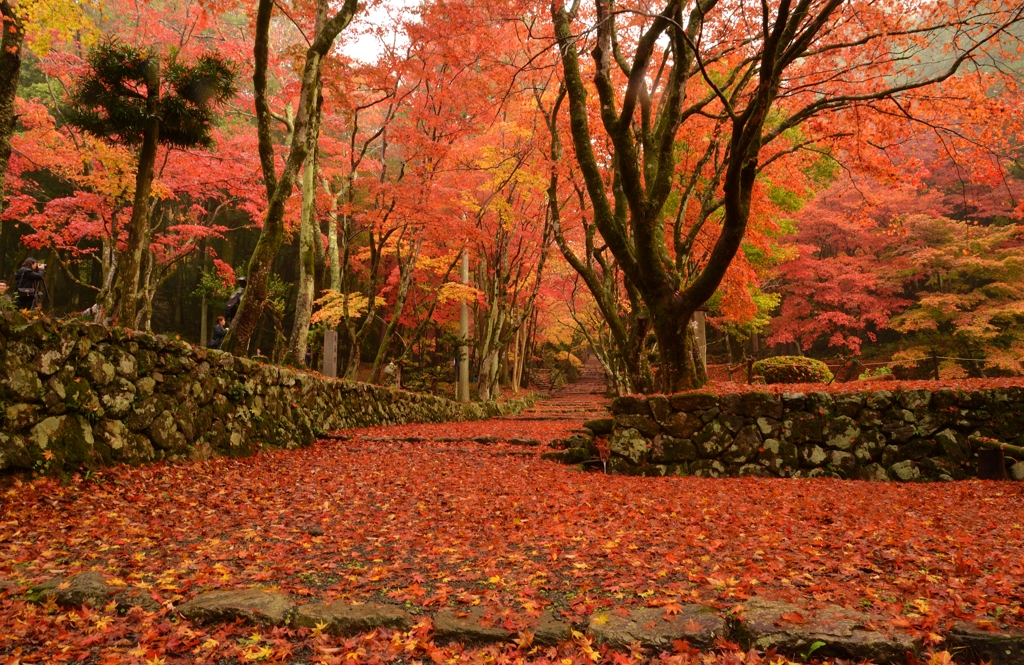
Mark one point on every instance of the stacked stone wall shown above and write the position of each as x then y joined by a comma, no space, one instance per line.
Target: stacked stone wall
875,435
76,394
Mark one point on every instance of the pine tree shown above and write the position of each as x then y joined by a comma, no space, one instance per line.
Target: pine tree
130,97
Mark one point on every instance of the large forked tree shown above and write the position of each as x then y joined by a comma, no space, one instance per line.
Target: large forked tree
326,30
761,73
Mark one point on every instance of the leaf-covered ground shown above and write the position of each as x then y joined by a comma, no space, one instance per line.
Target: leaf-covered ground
433,524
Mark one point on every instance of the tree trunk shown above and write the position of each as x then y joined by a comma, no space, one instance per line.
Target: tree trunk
10,74
138,225
405,279
279,190
307,252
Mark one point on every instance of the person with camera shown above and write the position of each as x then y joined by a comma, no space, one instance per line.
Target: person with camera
29,282
234,301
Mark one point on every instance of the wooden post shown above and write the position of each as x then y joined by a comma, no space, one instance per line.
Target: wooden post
935,364
991,464
330,353
750,370
202,323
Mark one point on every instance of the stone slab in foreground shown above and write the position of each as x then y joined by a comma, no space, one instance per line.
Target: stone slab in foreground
989,644
654,629
793,630
473,626
89,588
343,618
253,605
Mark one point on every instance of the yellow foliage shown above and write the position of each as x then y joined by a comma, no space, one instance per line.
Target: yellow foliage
333,307
450,291
49,21
565,356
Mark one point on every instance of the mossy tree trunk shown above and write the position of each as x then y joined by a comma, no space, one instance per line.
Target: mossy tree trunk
10,73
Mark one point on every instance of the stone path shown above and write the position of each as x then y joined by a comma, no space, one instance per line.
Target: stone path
788,628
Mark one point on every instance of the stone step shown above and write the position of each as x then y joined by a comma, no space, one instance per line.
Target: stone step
794,630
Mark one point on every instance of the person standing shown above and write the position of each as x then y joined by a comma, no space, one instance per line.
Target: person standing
235,300
29,282
219,331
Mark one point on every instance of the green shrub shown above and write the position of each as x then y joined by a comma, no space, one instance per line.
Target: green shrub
792,369
878,371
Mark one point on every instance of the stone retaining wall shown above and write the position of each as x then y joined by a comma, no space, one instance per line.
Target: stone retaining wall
875,435
77,394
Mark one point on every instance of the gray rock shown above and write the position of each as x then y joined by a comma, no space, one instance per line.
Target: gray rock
842,433
707,468
813,456
630,405
843,463
844,633
760,404
252,605
754,470
630,444
999,645
343,618
899,432
550,630
694,401
777,455
577,441
953,445
87,588
129,597
767,426
915,400
25,385
917,449
1017,471
660,407
873,472
683,425
644,424
21,416
469,627
803,427
744,446
849,405
793,401
904,471
672,449
600,426
649,626
879,400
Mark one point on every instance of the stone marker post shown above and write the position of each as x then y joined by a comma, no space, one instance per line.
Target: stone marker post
330,353
702,338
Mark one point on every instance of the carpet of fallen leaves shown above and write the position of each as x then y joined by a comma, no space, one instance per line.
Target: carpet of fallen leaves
439,524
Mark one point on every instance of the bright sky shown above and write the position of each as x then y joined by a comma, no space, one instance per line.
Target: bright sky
362,43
